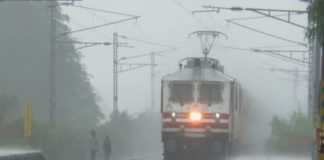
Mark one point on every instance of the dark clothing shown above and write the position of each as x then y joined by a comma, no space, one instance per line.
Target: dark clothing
93,154
107,148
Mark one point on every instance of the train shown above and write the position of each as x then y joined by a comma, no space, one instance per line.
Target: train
202,111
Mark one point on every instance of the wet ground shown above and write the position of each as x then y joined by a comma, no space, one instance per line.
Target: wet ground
248,157
271,158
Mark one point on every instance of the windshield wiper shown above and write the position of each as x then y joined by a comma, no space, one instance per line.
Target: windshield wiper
210,97
179,97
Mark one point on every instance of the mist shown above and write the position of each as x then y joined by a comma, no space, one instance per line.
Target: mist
84,79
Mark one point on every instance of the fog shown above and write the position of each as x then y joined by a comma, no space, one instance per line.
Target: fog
169,22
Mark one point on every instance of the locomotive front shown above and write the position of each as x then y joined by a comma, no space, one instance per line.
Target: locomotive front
198,112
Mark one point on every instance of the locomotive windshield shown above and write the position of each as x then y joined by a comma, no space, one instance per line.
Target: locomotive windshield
211,93
182,93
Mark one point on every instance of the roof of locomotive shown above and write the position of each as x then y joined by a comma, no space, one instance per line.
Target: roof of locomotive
199,69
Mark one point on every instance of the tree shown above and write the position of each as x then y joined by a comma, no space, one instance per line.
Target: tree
24,64
24,69
316,19
292,135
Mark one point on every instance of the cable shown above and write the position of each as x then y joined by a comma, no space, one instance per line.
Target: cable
96,32
104,11
267,53
235,48
268,34
277,46
187,10
98,26
287,51
147,42
256,17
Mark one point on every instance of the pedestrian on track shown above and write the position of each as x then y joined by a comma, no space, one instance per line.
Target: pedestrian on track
107,147
93,145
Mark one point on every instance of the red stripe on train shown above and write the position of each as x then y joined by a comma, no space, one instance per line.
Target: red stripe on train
195,125
204,115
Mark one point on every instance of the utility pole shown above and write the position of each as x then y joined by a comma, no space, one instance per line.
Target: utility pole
115,73
124,67
153,80
118,68
52,66
296,73
295,90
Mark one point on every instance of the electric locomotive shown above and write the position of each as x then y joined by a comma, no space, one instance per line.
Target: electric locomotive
202,111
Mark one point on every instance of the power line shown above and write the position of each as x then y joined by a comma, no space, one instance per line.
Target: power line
271,53
257,9
146,42
96,32
268,34
277,46
99,26
188,11
261,11
255,17
103,11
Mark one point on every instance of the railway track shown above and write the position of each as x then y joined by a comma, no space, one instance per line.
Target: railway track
240,157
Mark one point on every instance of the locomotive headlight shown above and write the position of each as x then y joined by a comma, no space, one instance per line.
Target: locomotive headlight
217,115
173,114
195,116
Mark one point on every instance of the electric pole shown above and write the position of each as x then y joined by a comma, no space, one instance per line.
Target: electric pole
297,76
52,66
115,73
153,80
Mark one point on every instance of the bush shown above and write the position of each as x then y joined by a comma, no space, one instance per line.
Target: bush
293,135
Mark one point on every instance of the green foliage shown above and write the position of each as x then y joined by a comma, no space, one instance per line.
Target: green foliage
316,19
292,135
24,65
24,68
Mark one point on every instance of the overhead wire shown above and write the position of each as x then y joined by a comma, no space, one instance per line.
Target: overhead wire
267,53
256,17
279,46
96,32
146,42
99,26
188,11
110,12
212,18
104,11
268,34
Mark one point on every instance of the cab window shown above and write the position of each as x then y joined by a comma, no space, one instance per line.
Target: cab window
182,93
211,93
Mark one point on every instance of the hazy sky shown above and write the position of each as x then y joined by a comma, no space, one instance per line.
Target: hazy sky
169,22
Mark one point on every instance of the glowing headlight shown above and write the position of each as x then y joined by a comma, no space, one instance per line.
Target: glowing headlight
173,114
217,115
195,116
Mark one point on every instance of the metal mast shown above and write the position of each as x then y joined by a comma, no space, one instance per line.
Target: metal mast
52,61
153,80
115,72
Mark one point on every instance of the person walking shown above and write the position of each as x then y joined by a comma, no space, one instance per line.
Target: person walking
107,147
93,145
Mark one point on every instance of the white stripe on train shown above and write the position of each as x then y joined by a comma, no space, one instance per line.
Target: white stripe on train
188,120
194,130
